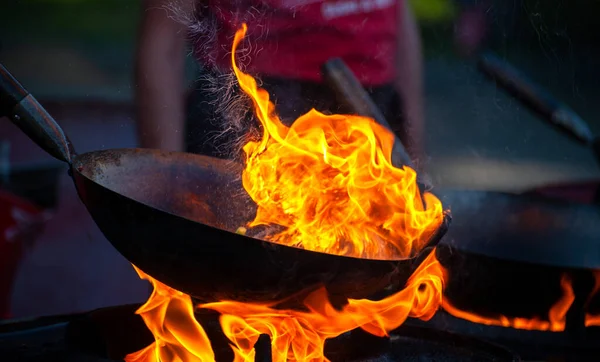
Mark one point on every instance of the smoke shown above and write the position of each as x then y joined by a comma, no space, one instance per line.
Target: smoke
233,113
231,109
186,12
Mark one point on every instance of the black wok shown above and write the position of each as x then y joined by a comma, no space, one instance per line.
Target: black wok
174,216
507,254
525,228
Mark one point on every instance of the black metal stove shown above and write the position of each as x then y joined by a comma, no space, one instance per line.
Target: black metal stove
109,334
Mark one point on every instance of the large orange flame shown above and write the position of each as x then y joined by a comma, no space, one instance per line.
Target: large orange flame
169,315
329,182
557,315
295,335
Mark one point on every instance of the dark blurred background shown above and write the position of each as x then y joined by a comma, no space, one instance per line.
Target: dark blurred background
76,57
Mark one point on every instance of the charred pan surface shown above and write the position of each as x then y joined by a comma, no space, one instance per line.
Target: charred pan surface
174,215
182,184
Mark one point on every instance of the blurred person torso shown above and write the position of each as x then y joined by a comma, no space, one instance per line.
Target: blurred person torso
292,39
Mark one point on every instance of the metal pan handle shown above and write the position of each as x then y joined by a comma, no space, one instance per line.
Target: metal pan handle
26,113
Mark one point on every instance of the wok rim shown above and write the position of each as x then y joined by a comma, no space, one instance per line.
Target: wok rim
470,246
80,159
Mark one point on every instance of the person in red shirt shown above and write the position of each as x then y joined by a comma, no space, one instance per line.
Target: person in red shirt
287,43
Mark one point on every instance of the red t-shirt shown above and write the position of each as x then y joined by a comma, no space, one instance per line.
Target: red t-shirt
294,38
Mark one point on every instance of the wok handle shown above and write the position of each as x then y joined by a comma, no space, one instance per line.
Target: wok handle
26,113
536,98
351,93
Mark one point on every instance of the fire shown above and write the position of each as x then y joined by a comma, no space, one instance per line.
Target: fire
592,320
556,316
295,335
300,336
169,314
328,181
